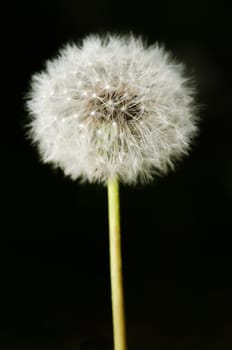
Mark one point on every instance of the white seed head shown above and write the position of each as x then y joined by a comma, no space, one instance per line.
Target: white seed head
112,106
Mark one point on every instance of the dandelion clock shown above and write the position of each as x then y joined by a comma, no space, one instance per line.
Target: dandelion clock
112,110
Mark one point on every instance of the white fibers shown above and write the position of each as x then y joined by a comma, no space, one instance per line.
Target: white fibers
112,106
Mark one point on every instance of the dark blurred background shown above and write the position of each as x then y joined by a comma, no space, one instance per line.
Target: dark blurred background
55,287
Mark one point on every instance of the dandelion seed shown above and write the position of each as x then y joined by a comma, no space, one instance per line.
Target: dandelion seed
140,98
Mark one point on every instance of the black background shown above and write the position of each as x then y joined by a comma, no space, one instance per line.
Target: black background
55,291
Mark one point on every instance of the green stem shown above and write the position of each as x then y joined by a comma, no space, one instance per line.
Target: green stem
116,266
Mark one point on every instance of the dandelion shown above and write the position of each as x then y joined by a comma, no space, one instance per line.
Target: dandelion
110,110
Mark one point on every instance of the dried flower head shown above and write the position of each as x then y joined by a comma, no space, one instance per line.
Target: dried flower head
112,106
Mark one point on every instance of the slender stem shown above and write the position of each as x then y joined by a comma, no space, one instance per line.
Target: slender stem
116,266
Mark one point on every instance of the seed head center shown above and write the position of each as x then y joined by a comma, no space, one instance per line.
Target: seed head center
117,105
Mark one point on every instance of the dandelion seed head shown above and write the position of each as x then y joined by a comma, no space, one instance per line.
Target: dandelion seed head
112,106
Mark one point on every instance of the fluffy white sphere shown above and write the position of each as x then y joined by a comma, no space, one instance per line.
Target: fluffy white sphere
112,106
